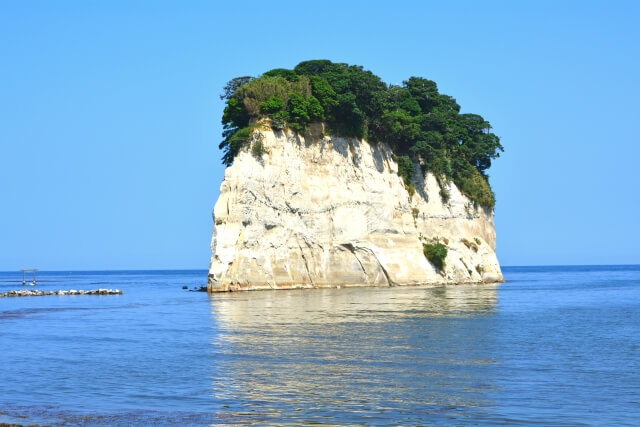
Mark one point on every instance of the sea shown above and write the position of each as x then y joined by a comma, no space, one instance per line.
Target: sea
550,346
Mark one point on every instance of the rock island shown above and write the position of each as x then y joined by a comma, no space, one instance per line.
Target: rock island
335,178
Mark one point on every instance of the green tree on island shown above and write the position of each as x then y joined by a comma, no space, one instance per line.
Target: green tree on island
421,125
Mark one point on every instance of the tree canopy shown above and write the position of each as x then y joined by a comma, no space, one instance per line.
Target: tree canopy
422,126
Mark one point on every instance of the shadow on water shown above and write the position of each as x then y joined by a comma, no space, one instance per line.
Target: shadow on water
372,355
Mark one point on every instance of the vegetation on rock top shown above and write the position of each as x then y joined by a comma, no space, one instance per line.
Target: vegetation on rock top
421,125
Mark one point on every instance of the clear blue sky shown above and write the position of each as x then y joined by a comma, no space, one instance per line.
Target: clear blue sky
110,116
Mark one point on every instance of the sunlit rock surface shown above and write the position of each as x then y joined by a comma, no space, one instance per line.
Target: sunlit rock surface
324,211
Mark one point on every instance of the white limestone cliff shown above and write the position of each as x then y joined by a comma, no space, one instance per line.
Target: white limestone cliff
324,211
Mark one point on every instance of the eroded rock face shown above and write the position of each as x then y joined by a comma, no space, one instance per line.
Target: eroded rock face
330,211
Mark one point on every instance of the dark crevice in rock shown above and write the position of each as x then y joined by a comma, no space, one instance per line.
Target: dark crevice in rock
306,264
352,249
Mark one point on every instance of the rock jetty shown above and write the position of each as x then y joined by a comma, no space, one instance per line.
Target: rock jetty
39,293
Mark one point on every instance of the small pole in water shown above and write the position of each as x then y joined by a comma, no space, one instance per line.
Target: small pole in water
24,273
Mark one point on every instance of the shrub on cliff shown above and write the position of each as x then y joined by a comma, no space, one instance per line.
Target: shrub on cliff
258,149
422,125
436,252
406,171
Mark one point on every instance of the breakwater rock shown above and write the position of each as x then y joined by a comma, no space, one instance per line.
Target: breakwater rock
39,293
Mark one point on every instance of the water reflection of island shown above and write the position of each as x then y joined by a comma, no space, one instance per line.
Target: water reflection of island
378,353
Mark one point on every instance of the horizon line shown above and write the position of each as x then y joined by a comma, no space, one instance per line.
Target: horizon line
206,269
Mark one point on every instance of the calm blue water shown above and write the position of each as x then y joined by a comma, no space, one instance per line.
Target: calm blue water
553,345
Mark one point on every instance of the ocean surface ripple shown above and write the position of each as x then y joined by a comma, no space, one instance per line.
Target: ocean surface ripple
552,346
